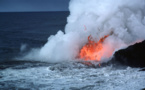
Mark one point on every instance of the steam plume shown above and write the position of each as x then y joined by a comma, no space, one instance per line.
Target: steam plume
125,19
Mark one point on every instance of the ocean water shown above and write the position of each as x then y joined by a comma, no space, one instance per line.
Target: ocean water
32,29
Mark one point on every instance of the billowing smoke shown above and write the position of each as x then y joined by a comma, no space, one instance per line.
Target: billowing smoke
124,19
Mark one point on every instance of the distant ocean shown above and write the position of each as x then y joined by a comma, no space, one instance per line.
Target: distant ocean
30,28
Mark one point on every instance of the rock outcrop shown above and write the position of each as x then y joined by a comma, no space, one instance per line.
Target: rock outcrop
133,56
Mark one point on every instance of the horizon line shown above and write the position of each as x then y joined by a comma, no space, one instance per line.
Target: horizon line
32,11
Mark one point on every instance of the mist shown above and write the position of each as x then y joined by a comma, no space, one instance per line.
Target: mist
125,20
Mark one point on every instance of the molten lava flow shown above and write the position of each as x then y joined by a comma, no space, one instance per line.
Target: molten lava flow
92,50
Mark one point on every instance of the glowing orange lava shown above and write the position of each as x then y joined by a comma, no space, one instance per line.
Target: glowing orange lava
92,50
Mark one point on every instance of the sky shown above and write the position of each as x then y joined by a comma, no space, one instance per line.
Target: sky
33,5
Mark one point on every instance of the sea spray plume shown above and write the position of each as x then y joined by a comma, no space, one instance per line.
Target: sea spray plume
59,47
125,19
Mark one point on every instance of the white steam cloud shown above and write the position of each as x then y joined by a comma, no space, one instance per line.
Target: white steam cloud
125,18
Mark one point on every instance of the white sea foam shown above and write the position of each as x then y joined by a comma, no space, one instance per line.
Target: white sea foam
71,77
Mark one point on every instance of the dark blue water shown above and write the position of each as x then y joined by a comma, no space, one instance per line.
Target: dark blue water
31,28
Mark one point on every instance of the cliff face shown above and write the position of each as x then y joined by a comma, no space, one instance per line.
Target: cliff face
133,56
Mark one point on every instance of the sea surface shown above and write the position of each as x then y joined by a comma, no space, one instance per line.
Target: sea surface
31,30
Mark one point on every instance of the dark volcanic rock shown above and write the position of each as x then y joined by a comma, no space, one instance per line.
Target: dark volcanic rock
133,56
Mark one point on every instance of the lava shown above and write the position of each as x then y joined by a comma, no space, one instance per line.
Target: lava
92,50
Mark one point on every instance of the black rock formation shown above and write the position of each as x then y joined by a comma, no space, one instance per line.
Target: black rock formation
133,56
